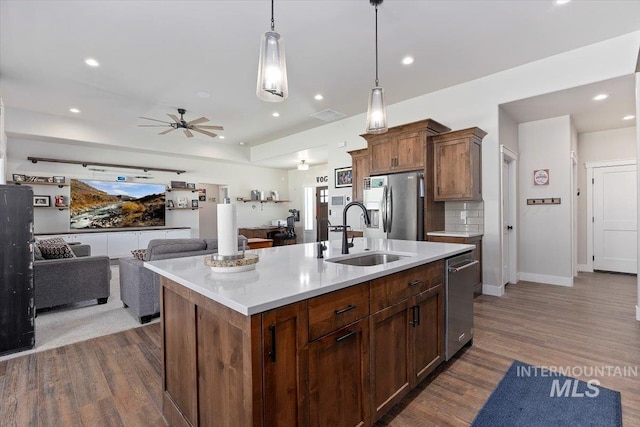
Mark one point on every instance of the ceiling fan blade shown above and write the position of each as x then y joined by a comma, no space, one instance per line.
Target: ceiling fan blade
196,121
153,126
167,131
174,118
204,132
155,120
188,133
211,127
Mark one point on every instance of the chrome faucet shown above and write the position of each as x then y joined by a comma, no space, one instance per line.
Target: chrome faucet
345,245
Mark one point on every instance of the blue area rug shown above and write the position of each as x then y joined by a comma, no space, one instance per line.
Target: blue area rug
530,396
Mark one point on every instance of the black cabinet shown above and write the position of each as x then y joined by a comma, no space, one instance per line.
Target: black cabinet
17,308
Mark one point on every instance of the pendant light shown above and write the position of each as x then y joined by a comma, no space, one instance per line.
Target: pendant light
302,166
377,111
272,71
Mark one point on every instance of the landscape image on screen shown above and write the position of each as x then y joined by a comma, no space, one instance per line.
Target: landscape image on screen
107,204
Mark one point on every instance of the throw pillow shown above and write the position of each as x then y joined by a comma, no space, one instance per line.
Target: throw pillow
37,254
56,251
51,241
140,254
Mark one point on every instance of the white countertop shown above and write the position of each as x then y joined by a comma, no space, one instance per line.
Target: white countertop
454,234
288,274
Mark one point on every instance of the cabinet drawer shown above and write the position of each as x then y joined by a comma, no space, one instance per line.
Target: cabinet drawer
392,289
337,309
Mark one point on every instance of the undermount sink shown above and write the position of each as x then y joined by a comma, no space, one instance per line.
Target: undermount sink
368,259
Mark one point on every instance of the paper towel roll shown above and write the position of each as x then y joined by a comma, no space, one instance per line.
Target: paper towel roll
227,230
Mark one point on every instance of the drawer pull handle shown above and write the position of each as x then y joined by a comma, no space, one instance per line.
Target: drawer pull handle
344,310
415,282
345,336
272,353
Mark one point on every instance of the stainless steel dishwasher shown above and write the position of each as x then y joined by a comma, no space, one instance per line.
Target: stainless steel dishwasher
459,302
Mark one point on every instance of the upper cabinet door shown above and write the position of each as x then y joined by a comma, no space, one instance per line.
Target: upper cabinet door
410,154
382,155
457,165
360,166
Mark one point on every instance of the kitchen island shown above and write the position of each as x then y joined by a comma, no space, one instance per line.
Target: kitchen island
301,340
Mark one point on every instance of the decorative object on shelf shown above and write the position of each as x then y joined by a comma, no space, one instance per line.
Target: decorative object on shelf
59,201
178,184
48,179
182,202
272,83
202,194
86,163
377,110
170,204
59,179
541,177
194,203
275,195
191,186
19,177
41,201
255,194
302,166
187,127
344,177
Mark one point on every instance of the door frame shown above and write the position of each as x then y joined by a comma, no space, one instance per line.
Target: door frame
511,157
590,166
574,212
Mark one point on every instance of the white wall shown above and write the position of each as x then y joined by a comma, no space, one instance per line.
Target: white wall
298,181
544,253
617,144
475,103
240,178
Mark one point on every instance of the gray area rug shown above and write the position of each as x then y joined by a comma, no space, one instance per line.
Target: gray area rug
82,321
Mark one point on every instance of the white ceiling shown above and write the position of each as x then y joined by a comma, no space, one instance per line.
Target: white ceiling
155,55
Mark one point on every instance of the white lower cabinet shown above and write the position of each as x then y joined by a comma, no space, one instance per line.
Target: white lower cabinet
179,234
144,237
98,242
122,243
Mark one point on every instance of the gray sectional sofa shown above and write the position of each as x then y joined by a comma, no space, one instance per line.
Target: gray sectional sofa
140,287
69,280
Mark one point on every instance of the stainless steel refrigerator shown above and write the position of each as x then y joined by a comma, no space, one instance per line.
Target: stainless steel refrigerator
396,206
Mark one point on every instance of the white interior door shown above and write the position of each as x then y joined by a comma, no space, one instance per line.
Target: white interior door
506,223
615,219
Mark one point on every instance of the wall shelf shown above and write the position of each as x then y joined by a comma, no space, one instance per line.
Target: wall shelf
192,190
187,208
58,184
262,201
60,208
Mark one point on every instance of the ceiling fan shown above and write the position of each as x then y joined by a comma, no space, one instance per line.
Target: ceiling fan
187,127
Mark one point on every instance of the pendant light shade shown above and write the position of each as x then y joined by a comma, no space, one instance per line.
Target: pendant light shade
377,111
302,166
272,70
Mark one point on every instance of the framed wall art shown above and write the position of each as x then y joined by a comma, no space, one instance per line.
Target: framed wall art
344,177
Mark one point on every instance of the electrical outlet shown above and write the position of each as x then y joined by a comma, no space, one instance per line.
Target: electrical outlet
463,215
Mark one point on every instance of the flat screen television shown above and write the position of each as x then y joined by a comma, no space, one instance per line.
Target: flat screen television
109,204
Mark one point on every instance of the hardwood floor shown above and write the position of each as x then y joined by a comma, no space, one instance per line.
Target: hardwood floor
115,380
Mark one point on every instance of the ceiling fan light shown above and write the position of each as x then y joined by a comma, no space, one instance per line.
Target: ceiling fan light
377,112
302,166
272,71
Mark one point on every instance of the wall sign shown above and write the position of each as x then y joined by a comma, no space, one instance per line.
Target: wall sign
541,177
322,178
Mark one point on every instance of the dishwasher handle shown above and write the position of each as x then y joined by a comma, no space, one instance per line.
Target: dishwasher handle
463,266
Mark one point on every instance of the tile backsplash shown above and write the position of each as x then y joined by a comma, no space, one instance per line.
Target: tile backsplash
464,216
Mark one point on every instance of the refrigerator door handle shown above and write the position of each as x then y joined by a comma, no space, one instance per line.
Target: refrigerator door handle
389,208
383,207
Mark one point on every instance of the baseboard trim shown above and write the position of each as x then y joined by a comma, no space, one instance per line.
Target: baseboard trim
585,268
638,313
543,278
493,290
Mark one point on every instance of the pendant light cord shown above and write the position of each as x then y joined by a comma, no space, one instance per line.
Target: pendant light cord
376,45
273,25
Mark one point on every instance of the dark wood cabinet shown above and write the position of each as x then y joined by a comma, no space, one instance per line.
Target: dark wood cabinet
360,170
476,254
458,165
407,335
339,378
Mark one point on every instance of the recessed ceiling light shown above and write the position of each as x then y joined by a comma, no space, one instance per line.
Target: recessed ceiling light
559,2
318,97
276,114
91,62
629,117
407,60
203,94
74,110
221,136
600,97
241,142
